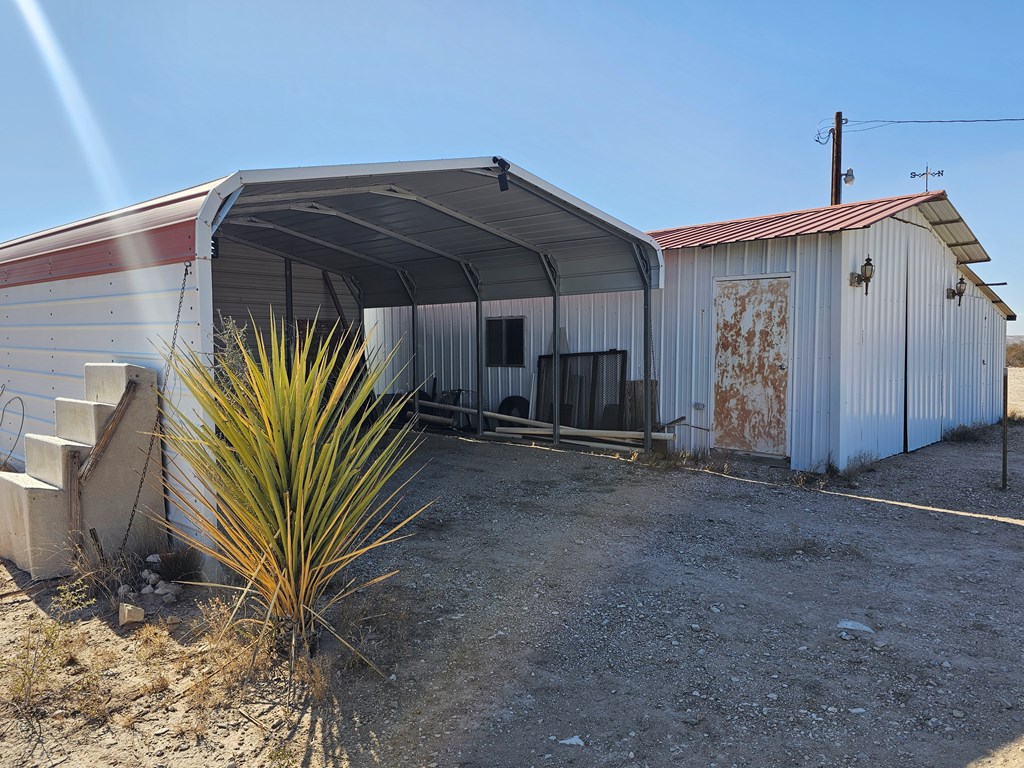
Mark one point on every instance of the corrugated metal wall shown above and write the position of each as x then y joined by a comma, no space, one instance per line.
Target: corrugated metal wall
592,323
689,344
247,281
847,350
49,331
906,342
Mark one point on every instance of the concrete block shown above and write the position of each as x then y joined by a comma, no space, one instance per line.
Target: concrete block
46,457
130,614
34,526
81,420
107,496
105,382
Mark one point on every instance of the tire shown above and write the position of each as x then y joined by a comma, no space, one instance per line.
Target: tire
515,406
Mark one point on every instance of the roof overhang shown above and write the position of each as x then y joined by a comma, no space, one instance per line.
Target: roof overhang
992,296
432,232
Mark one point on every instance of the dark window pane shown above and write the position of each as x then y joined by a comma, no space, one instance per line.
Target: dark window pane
495,341
514,341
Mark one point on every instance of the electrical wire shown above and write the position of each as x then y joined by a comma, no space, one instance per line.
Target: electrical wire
3,413
823,134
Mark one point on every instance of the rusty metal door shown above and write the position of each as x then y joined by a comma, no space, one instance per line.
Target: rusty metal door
751,365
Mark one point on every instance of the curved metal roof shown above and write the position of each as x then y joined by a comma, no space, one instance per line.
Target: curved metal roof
432,232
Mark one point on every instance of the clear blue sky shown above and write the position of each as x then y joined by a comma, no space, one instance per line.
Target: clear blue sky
660,113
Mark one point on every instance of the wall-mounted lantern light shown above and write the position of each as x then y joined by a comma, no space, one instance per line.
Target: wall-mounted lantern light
957,292
867,271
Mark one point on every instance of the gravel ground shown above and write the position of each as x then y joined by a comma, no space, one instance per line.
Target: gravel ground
556,608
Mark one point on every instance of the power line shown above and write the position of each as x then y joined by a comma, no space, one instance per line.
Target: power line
824,134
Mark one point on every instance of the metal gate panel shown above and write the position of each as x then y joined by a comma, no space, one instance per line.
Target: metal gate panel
592,385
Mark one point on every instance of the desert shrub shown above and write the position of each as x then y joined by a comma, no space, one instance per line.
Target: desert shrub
289,468
963,433
1015,354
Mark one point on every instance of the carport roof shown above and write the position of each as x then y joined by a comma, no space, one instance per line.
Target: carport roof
433,232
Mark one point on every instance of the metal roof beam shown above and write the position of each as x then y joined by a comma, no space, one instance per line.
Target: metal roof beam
468,269
403,274
945,222
545,258
963,244
311,194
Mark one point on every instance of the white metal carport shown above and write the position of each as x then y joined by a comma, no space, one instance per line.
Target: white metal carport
434,232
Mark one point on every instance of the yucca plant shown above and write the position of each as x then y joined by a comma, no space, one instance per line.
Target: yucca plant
289,469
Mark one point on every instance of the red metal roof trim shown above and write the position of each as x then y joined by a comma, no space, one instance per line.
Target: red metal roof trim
832,218
163,245
143,217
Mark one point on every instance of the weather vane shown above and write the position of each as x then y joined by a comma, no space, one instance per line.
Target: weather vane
925,175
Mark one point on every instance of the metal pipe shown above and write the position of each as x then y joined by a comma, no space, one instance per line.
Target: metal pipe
648,355
479,365
556,367
1006,415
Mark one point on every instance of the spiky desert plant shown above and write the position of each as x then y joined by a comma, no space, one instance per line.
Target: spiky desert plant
288,469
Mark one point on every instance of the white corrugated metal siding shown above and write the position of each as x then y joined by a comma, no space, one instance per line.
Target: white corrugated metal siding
906,343
848,351
688,347
49,331
592,323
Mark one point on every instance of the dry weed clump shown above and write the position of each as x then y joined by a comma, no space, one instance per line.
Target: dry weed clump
40,671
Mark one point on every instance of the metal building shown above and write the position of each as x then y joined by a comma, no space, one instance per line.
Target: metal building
321,242
767,339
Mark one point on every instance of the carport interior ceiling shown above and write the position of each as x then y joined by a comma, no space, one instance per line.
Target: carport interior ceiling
437,232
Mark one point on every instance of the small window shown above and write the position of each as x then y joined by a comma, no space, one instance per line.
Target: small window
505,342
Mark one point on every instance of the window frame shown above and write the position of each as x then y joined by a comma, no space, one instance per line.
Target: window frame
506,321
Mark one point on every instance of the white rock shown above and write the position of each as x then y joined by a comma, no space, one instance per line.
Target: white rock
147,590
573,741
130,614
154,579
153,559
170,598
145,574
857,710
854,626
123,590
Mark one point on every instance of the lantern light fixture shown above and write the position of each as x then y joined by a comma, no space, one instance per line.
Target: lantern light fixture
957,292
867,271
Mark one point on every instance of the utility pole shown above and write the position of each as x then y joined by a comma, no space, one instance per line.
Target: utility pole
837,160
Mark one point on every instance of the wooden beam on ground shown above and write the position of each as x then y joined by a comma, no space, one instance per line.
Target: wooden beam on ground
602,434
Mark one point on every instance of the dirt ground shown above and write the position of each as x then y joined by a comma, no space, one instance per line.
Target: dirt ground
564,609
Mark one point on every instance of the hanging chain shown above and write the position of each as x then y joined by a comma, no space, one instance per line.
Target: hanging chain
156,425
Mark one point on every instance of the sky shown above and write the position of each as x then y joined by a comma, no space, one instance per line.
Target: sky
659,113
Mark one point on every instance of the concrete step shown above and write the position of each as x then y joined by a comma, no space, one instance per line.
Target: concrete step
34,525
105,382
46,457
81,420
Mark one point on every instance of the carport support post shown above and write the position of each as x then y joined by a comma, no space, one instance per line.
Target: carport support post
415,364
289,312
648,355
479,365
556,367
